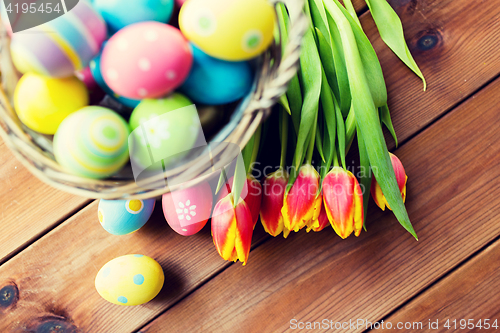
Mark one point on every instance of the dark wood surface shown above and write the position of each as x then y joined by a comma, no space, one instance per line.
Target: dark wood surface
451,154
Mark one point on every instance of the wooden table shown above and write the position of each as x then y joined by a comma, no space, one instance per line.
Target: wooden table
51,244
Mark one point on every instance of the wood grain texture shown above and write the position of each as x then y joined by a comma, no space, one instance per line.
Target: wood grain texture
28,207
454,206
54,277
455,43
471,292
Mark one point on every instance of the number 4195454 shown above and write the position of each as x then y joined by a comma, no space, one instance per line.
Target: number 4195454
471,324
33,8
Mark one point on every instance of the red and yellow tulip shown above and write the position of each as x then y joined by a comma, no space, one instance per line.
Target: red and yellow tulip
401,178
343,202
274,187
232,229
302,204
321,223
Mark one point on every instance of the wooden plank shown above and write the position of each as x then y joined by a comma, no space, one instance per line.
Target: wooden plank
452,201
455,44
28,207
53,279
468,293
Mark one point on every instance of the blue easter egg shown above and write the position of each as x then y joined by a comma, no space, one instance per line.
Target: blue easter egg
120,13
122,217
95,69
214,82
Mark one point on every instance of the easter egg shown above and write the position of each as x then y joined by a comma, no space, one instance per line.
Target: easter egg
42,103
131,279
123,217
119,14
62,46
146,60
164,129
92,142
212,81
95,69
188,210
231,30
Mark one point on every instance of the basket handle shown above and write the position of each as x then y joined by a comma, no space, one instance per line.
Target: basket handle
277,84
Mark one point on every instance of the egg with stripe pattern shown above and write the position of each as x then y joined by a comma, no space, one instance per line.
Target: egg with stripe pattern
92,142
123,217
62,46
131,279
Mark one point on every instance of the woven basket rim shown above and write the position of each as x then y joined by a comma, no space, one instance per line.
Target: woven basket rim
278,66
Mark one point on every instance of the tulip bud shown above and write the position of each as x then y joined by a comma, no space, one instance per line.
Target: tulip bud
401,178
251,194
302,203
232,229
343,202
274,187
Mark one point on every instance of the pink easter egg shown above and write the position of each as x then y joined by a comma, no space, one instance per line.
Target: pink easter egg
146,60
188,210
180,2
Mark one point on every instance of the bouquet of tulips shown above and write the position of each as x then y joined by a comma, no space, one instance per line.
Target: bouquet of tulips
338,93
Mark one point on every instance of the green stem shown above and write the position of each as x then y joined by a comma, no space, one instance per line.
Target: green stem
284,137
336,160
256,145
350,129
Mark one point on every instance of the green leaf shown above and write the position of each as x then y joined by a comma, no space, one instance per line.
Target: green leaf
371,64
319,145
341,87
365,175
248,152
284,103
385,116
222,180
350,129
367,120
391,31
239,179
326,55
310,79
330,117
294,95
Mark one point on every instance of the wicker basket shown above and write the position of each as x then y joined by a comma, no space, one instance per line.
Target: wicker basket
275,70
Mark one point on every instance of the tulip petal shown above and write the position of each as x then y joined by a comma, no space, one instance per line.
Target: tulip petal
274,187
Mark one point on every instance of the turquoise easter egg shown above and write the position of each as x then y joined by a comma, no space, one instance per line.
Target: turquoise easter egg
92,142
213,82
123,217
62,46
95,69
120,13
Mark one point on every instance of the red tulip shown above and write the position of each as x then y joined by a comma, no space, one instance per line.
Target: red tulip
232,229
274,187
343,202
251,194
401,178
302,204
188,210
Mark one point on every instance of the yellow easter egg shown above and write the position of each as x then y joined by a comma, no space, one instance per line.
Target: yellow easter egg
231,30
42,103
128,280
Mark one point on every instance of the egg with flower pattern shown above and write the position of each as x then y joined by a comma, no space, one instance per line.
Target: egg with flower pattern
188,210
131,279
122,217
230,30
